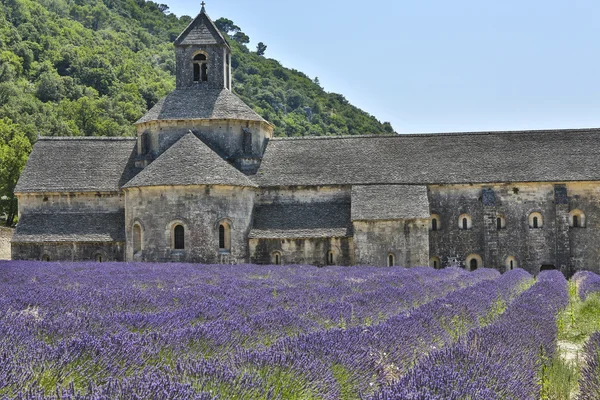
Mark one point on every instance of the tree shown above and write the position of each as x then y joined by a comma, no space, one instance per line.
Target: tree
261,48
14,150
241,38
227,26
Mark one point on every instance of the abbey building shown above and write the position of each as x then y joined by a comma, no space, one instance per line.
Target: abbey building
206,182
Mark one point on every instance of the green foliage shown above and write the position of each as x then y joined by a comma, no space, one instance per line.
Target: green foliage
261,48
14,150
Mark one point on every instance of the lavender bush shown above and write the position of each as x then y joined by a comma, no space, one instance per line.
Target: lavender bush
587,283
504,360
589,383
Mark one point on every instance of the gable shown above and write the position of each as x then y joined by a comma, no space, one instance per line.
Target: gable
189,162
201,31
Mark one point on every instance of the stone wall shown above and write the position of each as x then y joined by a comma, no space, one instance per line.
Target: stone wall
553,244
302,251
199,209
5,235
70,202
68,251
407,240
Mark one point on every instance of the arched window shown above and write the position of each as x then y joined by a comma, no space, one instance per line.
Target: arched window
179,237
577,219
465,222
473,262
391,260
330,258
200,62
511,263
535,220
435,223
224,237
99,258
137,238
434,262
500,222
276,258
46,258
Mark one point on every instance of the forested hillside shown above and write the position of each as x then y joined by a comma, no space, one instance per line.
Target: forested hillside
93,67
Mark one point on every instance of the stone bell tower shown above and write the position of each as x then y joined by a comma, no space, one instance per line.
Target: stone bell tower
203,56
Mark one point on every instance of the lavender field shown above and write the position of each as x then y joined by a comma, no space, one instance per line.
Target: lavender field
175,331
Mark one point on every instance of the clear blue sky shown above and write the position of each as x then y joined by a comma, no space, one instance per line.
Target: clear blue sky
437,65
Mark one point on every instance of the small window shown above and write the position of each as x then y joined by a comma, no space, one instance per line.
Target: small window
577,219
535,220
500,222
276,258
46,258
137,238
465,222
99,258
330,258
200,65
179,237
434,262
434,223
391,260
473,262
511,263
224,237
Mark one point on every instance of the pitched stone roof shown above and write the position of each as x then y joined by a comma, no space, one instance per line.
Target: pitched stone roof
301,221
201,31
189,162
389,202
71,227
200,103
79,164
484,157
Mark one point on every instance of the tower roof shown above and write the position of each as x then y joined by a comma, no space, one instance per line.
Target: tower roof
201,31
186,104
189,162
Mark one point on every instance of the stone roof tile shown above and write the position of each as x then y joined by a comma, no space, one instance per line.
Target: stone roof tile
389,202
71,227
301,220
78,164
200,103
424,159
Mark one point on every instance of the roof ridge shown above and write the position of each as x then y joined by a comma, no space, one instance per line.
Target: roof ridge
87,138
434,134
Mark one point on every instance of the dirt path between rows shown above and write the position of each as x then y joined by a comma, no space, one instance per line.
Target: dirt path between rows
5,235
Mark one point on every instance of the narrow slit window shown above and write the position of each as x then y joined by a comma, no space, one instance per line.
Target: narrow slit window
498,223
179,242
221,237
575,221
535,222
434,224
204,73
465,224
390,260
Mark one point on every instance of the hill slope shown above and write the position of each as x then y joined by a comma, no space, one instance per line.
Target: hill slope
93,67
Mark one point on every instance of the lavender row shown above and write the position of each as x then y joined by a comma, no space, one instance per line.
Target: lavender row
589,382
132,327
500,361
358,360
587,283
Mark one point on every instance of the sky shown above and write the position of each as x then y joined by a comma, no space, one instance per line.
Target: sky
437,65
